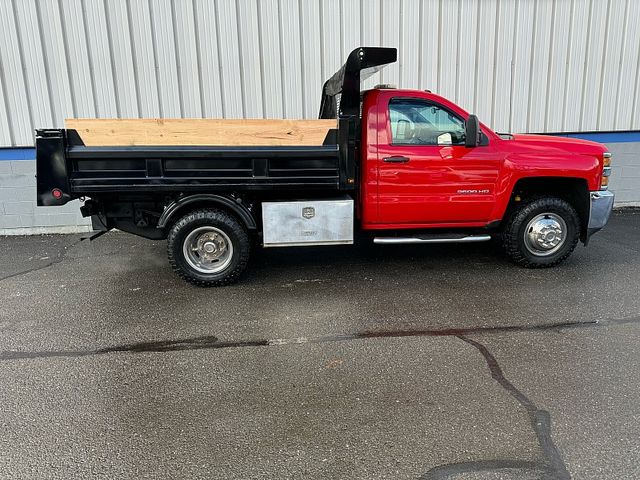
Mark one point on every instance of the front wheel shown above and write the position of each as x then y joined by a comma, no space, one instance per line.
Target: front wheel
208,248
541,232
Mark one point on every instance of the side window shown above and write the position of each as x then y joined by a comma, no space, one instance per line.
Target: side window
416,122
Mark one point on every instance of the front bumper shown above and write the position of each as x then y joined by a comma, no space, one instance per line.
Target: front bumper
601,207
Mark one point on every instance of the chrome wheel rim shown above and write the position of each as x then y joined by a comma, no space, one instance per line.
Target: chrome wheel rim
545,234
207,250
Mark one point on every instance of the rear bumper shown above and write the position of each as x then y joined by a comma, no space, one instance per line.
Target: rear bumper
601,207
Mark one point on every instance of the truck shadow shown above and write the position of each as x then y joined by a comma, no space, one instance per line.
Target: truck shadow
429,256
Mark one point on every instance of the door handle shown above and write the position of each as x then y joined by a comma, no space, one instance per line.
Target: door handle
395,159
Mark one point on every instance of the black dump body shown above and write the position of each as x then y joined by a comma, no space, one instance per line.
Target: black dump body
76,170
135,188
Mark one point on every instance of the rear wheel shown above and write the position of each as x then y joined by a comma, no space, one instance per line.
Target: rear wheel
208,248
541,232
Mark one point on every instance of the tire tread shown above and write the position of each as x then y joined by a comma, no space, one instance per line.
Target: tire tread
217,217
510,233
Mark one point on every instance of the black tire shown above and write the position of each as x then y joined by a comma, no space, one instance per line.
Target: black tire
236,234
515,232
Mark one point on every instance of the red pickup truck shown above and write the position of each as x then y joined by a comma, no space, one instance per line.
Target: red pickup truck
404,166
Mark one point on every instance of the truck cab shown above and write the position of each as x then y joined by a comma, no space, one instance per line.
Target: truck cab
420,172
402,166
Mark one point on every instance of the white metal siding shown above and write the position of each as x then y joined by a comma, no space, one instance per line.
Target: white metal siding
521,65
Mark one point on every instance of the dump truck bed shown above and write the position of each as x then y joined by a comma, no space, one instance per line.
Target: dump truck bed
189,168
68,168
154,157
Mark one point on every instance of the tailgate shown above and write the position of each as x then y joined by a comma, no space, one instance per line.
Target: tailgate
52,167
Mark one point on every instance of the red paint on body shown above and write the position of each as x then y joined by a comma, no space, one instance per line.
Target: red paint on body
452,185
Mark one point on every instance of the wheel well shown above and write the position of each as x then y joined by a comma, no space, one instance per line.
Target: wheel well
233,206
573,190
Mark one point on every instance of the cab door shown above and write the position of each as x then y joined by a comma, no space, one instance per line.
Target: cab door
425,173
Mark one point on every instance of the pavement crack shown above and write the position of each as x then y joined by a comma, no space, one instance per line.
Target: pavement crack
454,470
554,467
59,257
196,343
211,342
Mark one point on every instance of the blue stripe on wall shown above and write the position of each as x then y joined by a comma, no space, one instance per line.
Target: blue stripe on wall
603,137
17,154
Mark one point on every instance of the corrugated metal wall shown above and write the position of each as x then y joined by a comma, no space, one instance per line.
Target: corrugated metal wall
527,65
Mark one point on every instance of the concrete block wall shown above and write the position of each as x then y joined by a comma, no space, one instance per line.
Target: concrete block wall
19,214
625,180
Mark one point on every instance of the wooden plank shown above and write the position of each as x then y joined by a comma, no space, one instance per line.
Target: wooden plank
126,132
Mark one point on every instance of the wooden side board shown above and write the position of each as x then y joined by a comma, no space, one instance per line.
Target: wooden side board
125,132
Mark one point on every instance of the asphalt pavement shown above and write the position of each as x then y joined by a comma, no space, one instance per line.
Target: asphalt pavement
364,362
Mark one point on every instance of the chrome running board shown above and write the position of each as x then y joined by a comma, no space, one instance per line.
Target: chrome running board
436,238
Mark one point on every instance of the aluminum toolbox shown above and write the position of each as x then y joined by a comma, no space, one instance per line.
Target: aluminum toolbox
308,222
